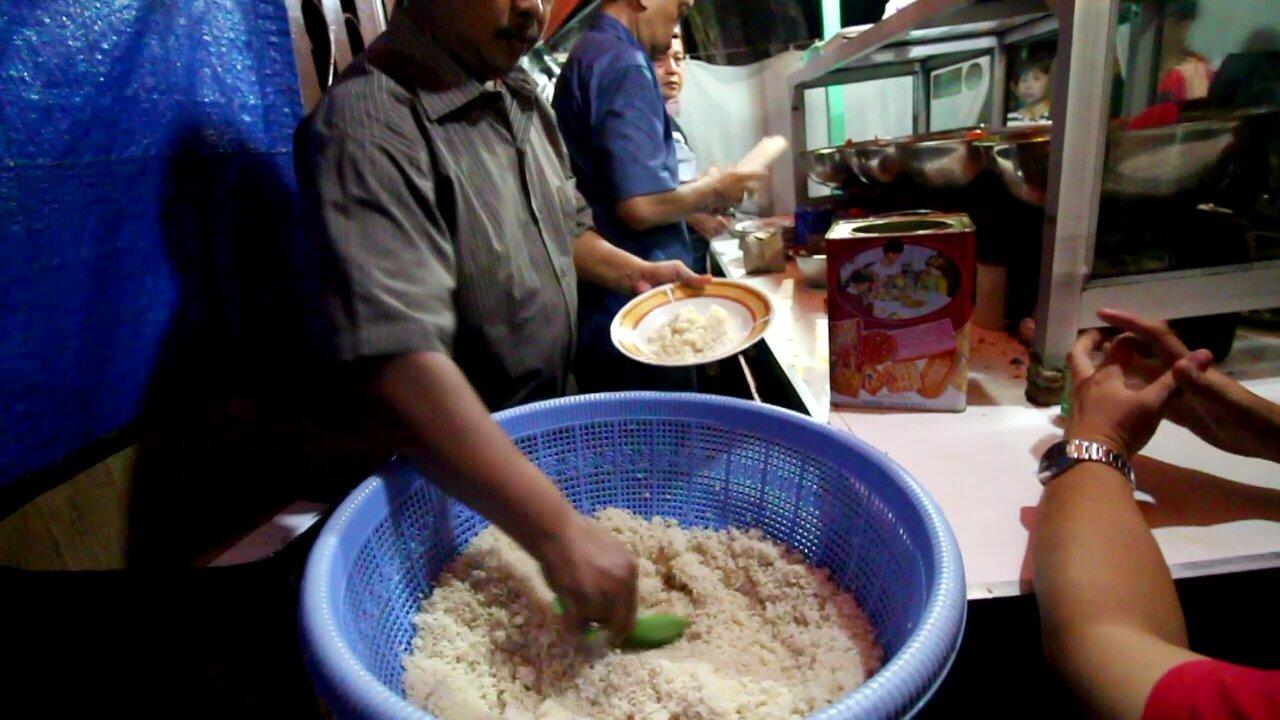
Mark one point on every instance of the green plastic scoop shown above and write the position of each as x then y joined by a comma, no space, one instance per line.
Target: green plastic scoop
651,631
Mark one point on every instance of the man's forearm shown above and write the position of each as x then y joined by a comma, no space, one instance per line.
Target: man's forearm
1264,432
467,454
646,211
1109,613
1095,557
602,263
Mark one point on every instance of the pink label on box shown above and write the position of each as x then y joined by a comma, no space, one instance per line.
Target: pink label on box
924,340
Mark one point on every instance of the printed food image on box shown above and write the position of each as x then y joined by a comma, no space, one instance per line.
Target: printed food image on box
900,296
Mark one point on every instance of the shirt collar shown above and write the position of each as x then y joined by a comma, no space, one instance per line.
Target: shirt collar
441,83
608,24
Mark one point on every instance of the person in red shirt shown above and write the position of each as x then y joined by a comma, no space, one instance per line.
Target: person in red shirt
1184,74
1110,618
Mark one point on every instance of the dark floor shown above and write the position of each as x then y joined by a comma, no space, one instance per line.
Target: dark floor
222,642
205,643
1231,617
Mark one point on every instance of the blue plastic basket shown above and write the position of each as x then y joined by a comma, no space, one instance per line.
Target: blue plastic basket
704,461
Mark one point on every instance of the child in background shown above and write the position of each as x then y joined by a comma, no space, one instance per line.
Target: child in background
1031,86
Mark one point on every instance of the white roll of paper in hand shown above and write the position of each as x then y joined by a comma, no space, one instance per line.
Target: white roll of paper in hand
764,154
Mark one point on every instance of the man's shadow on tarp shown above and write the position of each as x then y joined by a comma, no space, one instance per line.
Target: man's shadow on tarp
207,469
221,641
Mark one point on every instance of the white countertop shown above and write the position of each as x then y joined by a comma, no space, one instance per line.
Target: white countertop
980,464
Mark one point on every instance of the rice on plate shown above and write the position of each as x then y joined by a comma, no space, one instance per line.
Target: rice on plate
770,636
690,334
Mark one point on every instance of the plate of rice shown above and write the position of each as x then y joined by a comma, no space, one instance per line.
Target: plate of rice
680,326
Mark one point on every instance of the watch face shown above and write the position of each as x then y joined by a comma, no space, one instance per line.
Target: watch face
1054,461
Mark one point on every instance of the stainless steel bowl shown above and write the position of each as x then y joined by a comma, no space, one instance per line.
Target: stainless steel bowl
1018,131
1021,159
875,161
1167,161
827,166
943,160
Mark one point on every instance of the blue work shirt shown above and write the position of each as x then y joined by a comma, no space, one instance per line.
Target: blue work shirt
616,128
615,125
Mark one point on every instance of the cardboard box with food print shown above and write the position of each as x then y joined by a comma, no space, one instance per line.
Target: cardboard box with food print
900,299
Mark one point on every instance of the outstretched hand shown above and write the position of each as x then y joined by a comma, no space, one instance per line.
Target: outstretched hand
1208,403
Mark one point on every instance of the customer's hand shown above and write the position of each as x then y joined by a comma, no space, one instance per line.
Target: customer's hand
595,575
653,274
1208,403
708,225
1110,403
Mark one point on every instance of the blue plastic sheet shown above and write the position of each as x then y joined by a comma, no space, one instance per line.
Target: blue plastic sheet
144,145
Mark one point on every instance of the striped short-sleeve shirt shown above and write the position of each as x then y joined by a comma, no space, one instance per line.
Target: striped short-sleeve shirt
446,211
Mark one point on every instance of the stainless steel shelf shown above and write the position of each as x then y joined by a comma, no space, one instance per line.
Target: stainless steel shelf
1185,293
925,21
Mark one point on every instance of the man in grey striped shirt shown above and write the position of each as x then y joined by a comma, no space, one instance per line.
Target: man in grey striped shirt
438,188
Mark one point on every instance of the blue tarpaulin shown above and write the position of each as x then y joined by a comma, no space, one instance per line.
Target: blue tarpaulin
144,151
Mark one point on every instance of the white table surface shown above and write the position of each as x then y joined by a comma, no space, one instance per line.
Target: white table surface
980,464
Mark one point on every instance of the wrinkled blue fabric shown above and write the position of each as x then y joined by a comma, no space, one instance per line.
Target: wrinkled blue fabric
143,145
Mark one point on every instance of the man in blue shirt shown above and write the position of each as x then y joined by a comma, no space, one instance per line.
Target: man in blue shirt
615,124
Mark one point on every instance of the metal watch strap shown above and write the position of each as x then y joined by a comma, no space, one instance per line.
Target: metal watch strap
1078,451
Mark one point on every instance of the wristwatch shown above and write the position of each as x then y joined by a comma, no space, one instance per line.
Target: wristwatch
1065,454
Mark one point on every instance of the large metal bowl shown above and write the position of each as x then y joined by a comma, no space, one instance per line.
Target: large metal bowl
1244,115
943,160
1185,157
827,166
1166,161
1020,157
875,161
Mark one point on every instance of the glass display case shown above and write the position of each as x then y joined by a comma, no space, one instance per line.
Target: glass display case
1127,155
1185,190
1190,175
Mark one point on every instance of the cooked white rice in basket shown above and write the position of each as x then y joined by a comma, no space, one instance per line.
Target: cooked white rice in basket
771,637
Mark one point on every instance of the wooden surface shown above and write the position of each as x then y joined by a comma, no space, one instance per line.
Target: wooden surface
81,524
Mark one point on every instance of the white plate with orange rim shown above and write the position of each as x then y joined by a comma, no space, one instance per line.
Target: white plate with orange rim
749,312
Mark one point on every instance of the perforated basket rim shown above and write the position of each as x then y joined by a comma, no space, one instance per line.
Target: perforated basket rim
899,689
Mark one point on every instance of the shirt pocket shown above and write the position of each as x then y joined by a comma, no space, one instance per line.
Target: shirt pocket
566,197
